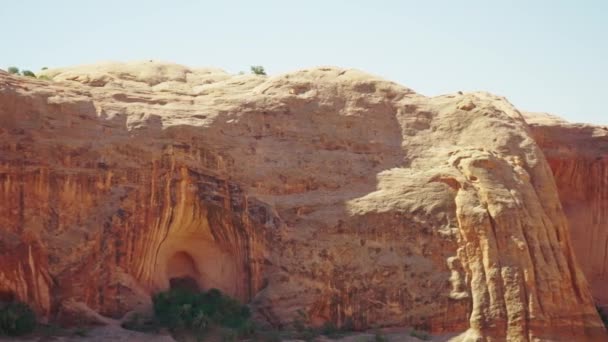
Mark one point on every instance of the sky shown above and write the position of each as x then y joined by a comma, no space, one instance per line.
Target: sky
546,56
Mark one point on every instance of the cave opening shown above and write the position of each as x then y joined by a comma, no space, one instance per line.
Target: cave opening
183,273
184,283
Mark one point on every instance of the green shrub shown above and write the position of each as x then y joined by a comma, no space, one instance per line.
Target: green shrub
378,337
28,73
81,332
330,330
258,70
16,319
15,71
181,309
420,335
248,329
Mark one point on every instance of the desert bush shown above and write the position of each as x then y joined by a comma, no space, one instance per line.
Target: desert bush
258,70
15,71
28,73
16,319
330,330
422,335
81,331
248,329
378,337
180,309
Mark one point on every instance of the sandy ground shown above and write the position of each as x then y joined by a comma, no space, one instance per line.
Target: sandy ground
116,333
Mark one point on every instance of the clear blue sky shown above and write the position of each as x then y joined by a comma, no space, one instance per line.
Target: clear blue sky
542,55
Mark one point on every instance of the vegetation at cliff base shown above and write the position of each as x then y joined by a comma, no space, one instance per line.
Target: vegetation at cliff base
184,311
212,314
378,337
421,335
179,308
16,319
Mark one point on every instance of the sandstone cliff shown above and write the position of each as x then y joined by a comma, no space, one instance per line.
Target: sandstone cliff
578,156
329,191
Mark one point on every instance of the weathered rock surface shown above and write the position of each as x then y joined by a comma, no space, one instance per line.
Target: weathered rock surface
578,156
329,191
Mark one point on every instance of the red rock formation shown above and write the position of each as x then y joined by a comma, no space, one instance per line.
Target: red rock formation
578,156
329,191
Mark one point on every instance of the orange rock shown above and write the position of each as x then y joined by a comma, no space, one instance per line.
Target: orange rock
324,191
578,156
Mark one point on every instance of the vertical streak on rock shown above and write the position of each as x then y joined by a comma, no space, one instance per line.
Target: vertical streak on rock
515,258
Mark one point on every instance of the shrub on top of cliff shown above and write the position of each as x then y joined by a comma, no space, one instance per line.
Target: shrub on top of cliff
258,70
28,73
185,310
16,319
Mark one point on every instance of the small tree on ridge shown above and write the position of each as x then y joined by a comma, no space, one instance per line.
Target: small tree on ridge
258,70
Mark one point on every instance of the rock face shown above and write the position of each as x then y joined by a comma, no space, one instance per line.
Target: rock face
325,191
578,156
